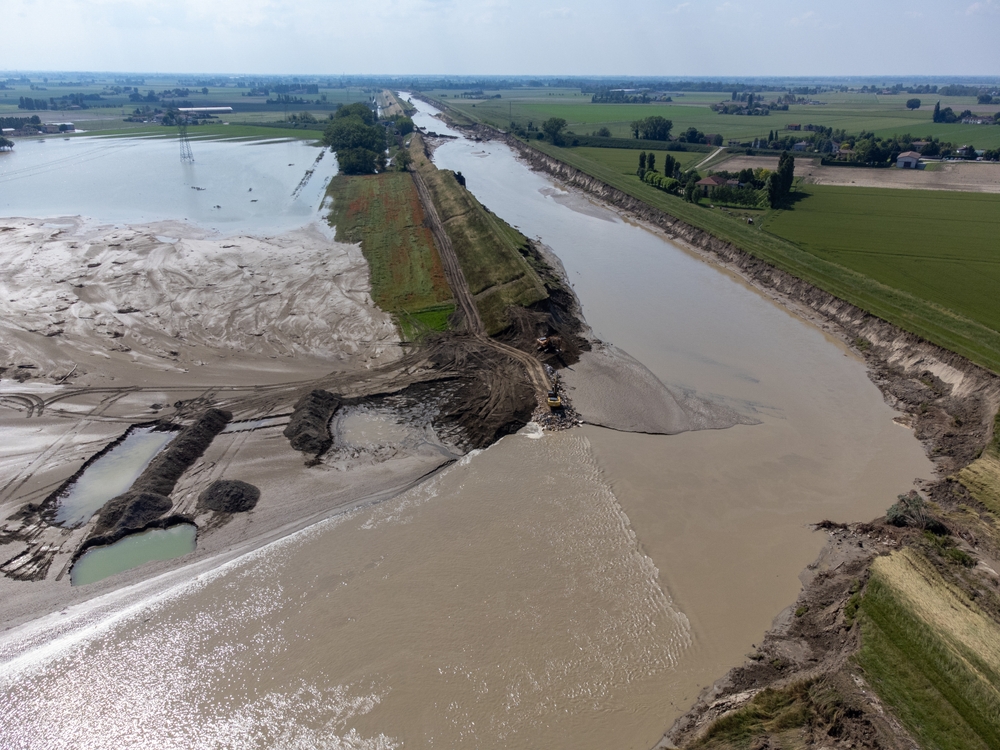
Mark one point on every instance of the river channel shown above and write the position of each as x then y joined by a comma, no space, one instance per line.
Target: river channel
565,590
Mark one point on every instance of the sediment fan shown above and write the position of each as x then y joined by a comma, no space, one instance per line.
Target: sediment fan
187,157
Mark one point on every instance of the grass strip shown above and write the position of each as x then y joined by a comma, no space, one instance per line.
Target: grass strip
931,655
383,213
490,251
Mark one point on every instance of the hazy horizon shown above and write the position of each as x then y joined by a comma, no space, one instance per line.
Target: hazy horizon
770,38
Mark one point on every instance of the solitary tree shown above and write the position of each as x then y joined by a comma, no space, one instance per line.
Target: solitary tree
651,162
913,104
553,129
937,112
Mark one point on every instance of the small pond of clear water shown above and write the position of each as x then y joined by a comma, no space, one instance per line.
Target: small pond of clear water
110,475
132,551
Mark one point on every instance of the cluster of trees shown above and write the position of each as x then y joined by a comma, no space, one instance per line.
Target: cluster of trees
359,141
647,164
757,110
757,188
75,101
19,122
948,114
957,89
693,135
672,180
27,102
779,184
752,105
653,128
627,96
6,144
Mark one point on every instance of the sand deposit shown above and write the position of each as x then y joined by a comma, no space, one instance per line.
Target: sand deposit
89,305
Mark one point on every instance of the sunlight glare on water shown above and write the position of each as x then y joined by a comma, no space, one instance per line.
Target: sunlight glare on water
484,608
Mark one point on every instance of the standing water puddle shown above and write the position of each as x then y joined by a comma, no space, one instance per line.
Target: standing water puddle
110,475
133,551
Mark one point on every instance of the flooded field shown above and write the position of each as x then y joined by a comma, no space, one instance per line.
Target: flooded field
232,186
558,590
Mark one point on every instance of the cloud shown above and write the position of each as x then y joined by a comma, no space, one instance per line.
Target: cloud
985,6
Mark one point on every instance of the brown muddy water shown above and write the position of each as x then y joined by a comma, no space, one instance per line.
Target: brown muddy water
566,590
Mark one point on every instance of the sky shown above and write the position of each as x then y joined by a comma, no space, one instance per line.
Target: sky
505,37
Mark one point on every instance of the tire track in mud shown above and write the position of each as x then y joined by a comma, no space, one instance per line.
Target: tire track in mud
8,491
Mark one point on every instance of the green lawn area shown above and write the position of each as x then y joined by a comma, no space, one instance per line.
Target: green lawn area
383,213
939,246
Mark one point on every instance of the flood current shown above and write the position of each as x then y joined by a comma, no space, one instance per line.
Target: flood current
558,590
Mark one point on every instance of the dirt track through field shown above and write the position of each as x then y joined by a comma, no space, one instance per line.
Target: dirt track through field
460,288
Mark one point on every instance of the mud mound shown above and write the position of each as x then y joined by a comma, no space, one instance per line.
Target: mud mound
309,428
492,397
132,510
229,496
162,474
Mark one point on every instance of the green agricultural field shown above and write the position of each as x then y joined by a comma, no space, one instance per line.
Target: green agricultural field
384,214
853,112
931,320
938,246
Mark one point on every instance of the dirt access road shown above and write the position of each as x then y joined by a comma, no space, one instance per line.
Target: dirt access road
460,288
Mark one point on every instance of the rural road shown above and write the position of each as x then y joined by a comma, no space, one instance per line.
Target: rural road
709,157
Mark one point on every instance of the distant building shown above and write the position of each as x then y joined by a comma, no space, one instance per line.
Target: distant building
793,127
712,181
6,131
908,160
801,146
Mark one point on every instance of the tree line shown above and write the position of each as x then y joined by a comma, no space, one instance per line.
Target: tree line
359,141
753,188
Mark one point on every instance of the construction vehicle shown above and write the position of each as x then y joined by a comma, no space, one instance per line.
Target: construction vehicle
553,400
